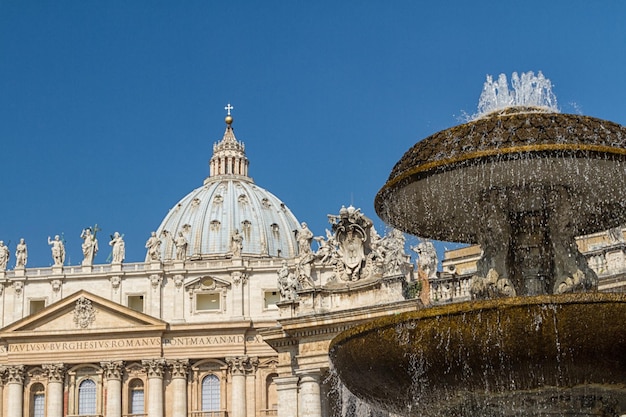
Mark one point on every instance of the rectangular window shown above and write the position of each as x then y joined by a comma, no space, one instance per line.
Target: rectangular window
136,401
208,301
37,305
135,302
39,401
270,298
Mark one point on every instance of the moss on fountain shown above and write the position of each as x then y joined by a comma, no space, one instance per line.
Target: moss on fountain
458,358
522,153
504,135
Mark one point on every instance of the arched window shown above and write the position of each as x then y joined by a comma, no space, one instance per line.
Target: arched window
38,400
211,393
136,397
87,398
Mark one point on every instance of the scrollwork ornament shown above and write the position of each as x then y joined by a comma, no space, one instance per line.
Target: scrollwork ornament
115,282
178,280
239,278
18,286
155,281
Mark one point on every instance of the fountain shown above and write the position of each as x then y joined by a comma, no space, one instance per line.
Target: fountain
522,180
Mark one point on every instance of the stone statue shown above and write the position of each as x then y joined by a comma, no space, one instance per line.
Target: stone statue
303,271
119,248
236,244
427,259
287,283
491,286
304,237
4,256
153,244
181,246
89,246
496,240
571,271
392,245
327,251
616,235
21,254
58,250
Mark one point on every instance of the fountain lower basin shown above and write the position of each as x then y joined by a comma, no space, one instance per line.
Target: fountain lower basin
531,356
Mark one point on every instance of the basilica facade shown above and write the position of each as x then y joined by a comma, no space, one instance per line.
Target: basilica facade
230,314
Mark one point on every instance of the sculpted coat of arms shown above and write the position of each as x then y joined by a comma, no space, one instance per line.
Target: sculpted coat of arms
84,313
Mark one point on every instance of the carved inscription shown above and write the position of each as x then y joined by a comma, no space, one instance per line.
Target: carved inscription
84,345
210,340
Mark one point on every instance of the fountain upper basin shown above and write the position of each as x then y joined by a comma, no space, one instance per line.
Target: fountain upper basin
447,177
531,356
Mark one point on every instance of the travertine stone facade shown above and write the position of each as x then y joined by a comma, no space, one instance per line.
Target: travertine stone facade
197,329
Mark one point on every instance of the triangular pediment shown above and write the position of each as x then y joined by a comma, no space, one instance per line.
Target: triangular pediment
207,283
82,312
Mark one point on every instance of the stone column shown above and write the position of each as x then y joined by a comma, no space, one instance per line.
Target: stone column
179,368
15,390
2,382
287,390
154,369
238,374
54,401
113,373
251,386
310,402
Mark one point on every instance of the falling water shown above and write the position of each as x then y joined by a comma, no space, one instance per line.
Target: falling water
347,404
521,180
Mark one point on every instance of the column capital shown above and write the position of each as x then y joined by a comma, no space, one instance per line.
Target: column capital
179,368
54,371
154,367
15,374
240,365
113,369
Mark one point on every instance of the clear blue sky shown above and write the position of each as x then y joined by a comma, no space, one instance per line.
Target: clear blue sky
109,109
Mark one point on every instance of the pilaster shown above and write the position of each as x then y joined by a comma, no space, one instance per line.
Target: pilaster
156,284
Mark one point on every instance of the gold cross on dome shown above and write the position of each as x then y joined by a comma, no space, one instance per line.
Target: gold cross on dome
228,108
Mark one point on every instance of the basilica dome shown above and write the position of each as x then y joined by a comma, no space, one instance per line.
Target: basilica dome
229,203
